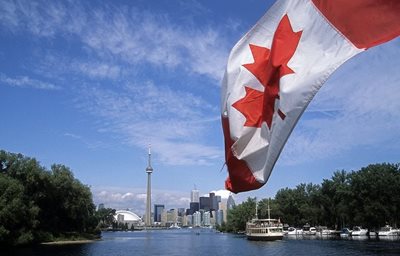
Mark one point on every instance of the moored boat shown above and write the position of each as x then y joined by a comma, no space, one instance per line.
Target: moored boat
294,231
388,231
264,229
308,230
358,231
345,232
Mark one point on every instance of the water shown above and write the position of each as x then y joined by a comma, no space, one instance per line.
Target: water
207,242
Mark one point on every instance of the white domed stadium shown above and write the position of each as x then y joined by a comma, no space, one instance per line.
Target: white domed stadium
125,216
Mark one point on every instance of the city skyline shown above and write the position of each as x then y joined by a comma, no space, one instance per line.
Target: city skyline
208,211
91,84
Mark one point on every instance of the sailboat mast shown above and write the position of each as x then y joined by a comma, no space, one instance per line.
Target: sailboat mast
256,210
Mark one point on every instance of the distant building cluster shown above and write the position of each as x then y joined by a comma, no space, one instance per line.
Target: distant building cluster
205,211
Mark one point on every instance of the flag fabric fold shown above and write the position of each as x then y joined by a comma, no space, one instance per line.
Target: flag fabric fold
275,70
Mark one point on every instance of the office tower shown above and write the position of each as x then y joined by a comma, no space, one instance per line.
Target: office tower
212,201
194,195
204,203
230,203
158,208
181,212
194,207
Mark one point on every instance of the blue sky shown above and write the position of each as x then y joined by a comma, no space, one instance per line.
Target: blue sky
90,84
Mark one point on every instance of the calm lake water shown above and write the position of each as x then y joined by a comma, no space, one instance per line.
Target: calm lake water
208,242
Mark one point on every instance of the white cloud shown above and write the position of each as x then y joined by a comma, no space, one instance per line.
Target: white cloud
174,122
127,34
223,193
357,108
97,70
135,198
27,82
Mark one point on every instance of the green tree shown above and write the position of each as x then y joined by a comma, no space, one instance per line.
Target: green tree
38,205
106,217
275,212
17,216
240,214
375,195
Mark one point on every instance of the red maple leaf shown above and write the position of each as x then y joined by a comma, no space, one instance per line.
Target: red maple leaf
268,67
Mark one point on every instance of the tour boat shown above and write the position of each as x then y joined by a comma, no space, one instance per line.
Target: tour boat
264,229
388,231
358,231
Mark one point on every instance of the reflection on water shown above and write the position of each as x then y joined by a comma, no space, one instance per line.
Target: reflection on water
209,242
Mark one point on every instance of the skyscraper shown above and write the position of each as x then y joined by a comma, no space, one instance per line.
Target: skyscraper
230,203
149,171
194,207
158,208
194,195
205,203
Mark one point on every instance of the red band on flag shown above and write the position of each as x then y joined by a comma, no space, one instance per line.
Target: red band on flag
366,23
240,177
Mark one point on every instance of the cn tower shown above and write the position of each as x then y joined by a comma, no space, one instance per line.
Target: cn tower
149,171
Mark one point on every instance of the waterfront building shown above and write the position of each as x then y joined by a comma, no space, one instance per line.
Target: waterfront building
213,215
149,171
206,219
172,217
158,208
222,206
186,221
219,217
196,219
164,217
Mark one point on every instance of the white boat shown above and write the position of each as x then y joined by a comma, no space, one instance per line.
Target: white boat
174,226
264,229
323,231
358,231
388,231
307,230
345,232
294,231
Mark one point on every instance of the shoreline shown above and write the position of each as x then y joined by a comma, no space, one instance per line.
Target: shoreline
62,242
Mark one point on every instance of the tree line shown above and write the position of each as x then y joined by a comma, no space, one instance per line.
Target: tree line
369,197
39,205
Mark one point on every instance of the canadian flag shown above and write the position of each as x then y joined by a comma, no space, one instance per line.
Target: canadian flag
275,70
